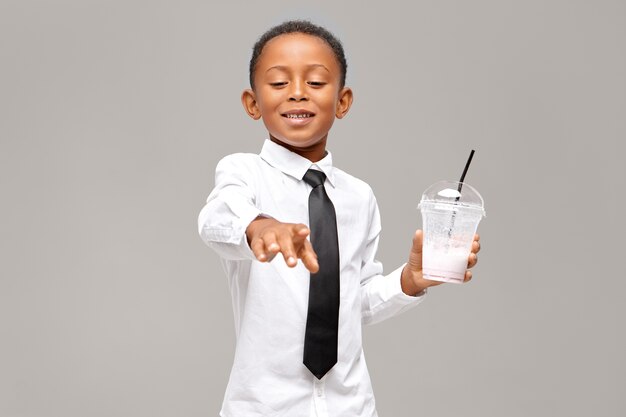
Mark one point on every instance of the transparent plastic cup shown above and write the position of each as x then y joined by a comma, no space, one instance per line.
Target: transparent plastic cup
449,219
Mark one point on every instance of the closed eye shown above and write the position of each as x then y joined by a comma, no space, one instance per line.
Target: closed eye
317,83
279,84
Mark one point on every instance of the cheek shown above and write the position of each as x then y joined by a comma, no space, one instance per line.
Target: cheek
328,101
269,98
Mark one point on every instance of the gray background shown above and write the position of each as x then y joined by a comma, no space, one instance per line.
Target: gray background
113,115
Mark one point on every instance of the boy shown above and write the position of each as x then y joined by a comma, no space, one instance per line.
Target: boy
298,324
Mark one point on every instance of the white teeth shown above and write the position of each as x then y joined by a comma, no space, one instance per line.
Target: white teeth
297,116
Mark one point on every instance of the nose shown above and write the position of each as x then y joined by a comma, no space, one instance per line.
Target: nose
297,92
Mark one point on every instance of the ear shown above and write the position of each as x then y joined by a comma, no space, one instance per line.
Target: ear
344,102
248,99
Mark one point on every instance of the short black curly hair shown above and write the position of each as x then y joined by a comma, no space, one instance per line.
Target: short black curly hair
299,26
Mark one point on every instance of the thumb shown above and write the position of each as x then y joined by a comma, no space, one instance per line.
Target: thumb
415,257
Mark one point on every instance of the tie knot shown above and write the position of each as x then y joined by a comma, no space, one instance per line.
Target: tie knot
314,178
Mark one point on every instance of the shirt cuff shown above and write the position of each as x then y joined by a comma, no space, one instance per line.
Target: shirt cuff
229,239
384,298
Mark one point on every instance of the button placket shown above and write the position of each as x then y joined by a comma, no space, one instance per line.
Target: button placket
319,388
319,398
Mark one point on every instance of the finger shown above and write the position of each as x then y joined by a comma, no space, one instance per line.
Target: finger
258,248
301,230
303,247
287,249
271,245
475,246
309,257
472,260
415,257
476,237
468,276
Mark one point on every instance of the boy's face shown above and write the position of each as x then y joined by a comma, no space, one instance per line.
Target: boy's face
297,93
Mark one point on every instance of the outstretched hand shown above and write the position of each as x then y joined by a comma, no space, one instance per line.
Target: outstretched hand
268,237
414,282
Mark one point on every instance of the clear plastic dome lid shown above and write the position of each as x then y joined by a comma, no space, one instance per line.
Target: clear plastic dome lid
447,192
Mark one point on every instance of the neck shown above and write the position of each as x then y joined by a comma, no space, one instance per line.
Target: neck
313,153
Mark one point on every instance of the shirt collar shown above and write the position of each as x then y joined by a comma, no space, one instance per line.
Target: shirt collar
293,164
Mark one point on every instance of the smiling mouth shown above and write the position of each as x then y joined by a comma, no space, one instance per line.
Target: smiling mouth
298,115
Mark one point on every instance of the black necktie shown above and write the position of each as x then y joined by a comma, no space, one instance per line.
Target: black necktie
320,340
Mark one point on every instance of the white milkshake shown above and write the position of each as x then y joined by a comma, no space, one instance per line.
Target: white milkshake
444,266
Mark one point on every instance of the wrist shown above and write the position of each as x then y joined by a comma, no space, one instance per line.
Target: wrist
409,282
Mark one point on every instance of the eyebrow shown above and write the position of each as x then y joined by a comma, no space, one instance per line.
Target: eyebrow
283,68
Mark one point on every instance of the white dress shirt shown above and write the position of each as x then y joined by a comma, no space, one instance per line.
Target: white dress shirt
270,300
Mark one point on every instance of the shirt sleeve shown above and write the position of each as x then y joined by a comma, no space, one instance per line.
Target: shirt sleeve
229,209
381,296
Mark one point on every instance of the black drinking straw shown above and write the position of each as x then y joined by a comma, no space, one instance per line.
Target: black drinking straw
467,164
456,200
